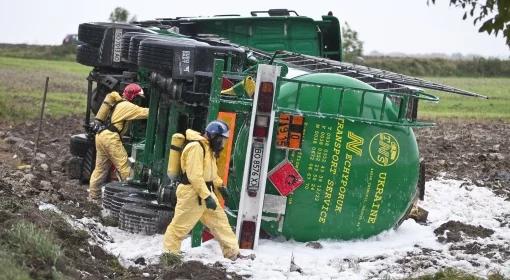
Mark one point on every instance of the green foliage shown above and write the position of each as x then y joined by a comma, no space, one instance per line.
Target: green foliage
461,107
476,67
448,274
496,276
352,46
170,259
109,221
494,15
120,14
454,274
62,52
10,270
32,244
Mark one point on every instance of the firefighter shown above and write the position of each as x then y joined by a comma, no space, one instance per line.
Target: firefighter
195,196
109,148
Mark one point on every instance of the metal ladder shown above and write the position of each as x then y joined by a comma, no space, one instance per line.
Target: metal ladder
379,79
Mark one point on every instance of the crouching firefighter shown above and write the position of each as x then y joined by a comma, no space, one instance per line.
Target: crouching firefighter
195,196
109,148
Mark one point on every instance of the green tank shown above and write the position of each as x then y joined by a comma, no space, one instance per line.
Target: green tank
354,186
345,129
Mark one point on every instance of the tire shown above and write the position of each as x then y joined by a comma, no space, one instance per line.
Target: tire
134,45
89,162
137,197
93,33
159,56
167,194
147,220
113,188
126,42
87,55
170,57
79,144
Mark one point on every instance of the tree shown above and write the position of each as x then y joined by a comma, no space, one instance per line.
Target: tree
352,46
494,15
120,14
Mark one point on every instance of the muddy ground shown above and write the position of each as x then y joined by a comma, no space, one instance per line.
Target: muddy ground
476,151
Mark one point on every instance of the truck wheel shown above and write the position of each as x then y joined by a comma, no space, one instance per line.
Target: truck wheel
113,188
121,198
149,219
134,46
89,162
126,43
87,55
79,145
167,194
156,55
93,33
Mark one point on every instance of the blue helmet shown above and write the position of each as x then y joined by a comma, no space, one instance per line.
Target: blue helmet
216,128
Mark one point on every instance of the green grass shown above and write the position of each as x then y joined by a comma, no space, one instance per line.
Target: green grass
463,107
45,65
170,259
27,105
454,274
31,243
61,52
10,270
22,86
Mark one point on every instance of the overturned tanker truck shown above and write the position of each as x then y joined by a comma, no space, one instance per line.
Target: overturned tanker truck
320,148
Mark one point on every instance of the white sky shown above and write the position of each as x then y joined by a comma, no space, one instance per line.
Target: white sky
408,26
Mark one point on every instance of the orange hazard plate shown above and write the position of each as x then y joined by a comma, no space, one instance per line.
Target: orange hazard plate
285,178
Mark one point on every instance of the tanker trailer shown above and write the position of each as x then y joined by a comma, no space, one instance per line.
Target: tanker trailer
342,160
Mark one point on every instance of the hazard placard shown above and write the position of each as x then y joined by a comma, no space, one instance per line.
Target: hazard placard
285,178
289,132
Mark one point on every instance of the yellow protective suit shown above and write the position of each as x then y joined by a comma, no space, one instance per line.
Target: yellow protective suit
109,148
199,169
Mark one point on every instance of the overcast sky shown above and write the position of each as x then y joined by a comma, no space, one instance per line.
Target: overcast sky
408,26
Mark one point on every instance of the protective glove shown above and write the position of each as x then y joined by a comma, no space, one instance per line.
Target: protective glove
224,194
94,127
210,203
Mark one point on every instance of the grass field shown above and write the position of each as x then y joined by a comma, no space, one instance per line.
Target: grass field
22,85
462,107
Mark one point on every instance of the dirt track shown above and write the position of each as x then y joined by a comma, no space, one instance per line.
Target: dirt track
479,152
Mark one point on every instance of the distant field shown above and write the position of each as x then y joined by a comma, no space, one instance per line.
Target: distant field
462,107
22,85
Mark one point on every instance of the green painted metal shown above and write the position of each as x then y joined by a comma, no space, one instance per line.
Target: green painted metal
154,96
353,171
337,96
294,33
356,145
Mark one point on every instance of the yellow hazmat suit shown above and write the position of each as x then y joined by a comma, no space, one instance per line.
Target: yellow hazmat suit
190,208
109,148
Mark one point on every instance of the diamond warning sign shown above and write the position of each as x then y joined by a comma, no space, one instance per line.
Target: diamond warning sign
285,178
